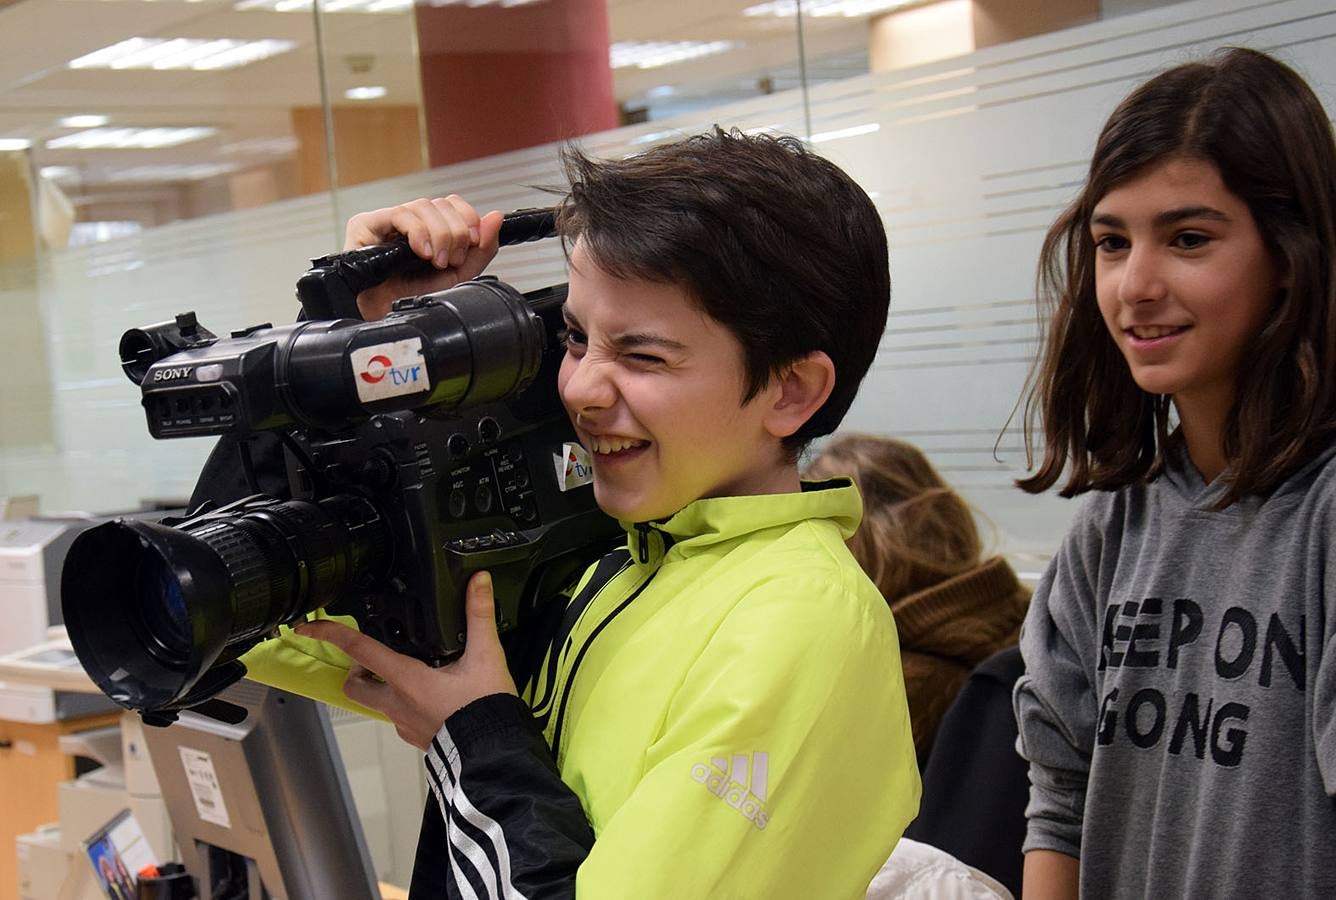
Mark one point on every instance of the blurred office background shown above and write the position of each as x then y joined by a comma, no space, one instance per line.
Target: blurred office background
158,156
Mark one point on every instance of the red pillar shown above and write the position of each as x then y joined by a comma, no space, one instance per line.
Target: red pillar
503,78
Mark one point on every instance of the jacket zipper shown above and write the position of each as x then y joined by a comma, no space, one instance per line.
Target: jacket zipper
575,666
644,529
560,643
643,553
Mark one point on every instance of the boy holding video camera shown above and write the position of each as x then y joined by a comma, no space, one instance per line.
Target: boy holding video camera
722,695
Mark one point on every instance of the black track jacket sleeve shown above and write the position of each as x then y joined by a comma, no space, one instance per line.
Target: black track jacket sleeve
500,821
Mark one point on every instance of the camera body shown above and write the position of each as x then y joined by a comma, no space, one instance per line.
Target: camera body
439,352
418,449
485,489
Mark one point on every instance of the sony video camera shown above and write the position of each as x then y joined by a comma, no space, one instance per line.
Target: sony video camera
419,449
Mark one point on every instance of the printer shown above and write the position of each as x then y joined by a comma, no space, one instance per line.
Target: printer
32,552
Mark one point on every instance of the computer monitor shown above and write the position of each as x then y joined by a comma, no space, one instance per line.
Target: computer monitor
259,800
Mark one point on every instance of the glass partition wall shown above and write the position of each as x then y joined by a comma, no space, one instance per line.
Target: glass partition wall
158,157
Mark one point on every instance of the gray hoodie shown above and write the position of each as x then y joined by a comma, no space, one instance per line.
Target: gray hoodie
1178,710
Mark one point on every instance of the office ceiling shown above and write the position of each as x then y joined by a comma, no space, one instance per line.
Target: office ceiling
249,107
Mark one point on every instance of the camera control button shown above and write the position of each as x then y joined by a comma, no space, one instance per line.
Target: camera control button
457,504
482,499
457,446
525,511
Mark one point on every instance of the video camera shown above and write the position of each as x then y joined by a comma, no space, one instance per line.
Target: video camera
419,449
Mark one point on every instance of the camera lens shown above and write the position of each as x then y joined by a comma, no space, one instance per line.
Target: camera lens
151,608
163,619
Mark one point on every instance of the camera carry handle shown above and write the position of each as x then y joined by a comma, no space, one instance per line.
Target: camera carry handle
330,287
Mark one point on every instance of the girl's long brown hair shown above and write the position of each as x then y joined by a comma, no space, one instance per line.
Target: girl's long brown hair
1261,126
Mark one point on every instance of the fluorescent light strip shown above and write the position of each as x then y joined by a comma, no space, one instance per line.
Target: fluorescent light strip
369,6
180,53
103,58
366,92
244,55
821,8
14,144
153,51
129,138
186,53
471,4
83,121
652,54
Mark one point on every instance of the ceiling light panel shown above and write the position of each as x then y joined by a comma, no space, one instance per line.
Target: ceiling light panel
652,54
504,4
59,173
83,121
129,138
821,8
329,6
180,53
370,6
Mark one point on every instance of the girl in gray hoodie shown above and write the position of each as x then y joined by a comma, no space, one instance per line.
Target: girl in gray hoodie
1179,706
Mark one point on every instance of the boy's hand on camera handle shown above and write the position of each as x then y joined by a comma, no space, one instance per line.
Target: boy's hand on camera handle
448,231
414,696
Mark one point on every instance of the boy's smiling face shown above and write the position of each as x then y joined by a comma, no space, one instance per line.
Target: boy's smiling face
655,387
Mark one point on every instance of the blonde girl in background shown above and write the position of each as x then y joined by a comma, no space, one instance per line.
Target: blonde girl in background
919,544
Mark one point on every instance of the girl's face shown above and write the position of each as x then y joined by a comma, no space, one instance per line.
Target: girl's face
1184,281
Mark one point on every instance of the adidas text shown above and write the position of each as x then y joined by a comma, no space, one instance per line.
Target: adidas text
741,784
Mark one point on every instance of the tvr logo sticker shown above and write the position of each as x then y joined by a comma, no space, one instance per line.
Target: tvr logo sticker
389,370
574,467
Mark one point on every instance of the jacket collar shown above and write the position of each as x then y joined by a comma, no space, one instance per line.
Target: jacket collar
705,523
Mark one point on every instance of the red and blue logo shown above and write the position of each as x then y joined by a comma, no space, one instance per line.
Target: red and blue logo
380,367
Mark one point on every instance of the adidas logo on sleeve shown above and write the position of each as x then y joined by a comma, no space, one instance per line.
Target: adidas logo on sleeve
740,782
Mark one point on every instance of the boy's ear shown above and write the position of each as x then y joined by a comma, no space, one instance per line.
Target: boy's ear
799,392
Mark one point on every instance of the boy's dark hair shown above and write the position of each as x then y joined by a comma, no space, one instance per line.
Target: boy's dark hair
774,242
1261,126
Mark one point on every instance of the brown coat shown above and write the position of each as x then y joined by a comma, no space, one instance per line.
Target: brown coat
948,629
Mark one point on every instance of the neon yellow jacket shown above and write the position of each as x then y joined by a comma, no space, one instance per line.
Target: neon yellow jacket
728,707
725,702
